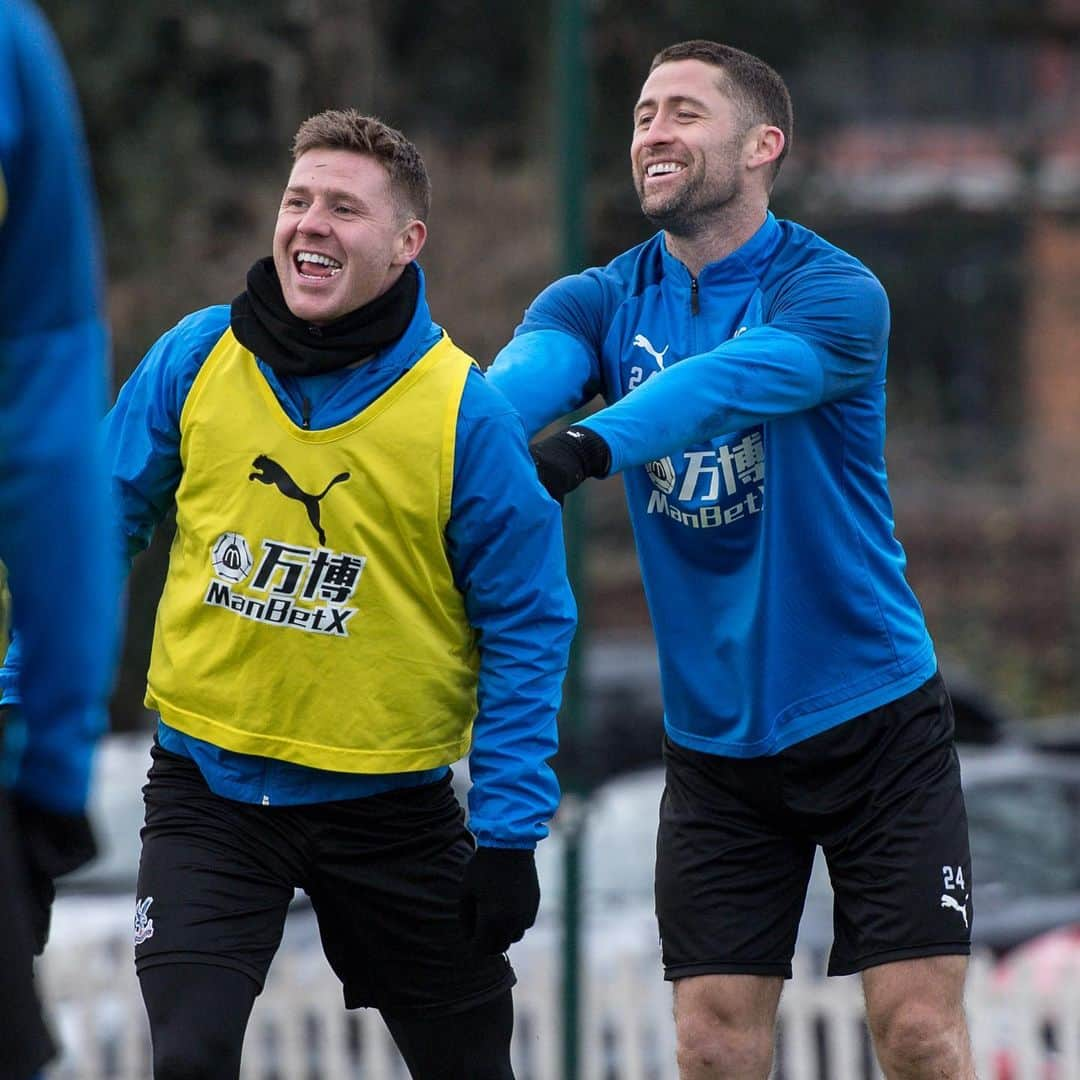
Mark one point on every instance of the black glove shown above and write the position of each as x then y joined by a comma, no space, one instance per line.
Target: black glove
500,895
565,460
52,844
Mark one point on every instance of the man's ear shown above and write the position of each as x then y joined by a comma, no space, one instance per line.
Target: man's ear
764,145
410,242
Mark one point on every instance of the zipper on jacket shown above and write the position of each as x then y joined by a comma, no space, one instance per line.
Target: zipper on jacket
695,306
305,413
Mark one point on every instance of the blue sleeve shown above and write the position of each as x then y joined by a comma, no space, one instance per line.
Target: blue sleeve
506,550
140,441
825,339
551,366
142,430
54,532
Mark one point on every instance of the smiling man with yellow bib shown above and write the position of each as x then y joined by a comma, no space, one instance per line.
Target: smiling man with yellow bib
367,582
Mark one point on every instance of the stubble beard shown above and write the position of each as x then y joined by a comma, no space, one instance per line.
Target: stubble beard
677,215
687,212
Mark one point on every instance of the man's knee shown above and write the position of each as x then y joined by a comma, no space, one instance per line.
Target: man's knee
183,1050
183,1054
917,1036
189,1060
725,1025
470,1045
709,1046
916,1014
198,1014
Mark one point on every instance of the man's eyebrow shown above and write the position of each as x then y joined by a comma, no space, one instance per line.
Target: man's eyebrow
339,194
675,99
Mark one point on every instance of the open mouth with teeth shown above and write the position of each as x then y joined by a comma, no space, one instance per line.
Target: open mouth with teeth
663,168
315,266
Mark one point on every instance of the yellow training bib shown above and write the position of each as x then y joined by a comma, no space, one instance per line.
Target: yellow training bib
310,612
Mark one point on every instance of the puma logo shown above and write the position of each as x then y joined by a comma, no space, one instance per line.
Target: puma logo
949,902
270,472
642,342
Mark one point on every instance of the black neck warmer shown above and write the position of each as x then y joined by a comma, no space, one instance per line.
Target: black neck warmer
263,323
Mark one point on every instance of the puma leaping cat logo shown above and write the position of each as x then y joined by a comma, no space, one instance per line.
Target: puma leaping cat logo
949,902
270,472
642,342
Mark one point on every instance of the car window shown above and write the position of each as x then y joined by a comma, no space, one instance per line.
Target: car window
1024,835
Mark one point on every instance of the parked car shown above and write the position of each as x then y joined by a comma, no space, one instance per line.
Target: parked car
1059,734
1024,819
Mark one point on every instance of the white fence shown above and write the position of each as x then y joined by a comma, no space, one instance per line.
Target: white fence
300,1030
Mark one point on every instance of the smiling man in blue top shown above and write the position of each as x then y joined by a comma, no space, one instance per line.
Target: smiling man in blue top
742,359
366,583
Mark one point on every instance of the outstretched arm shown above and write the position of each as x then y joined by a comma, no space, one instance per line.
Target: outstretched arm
826,340
544,374
551,366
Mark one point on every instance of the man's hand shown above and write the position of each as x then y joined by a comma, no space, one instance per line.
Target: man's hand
565,460
500,895
52,844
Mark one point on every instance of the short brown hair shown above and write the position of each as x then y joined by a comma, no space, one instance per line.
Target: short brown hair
758,91
349,129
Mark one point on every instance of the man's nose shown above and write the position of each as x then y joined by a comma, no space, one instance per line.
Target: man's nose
657,133
314,221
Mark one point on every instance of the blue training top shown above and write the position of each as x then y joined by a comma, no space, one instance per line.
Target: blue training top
54,536
747,415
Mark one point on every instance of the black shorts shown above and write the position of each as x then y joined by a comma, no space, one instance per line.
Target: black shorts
25,1044
216,878
880,794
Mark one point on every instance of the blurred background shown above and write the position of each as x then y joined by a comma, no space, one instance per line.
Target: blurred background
937,140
